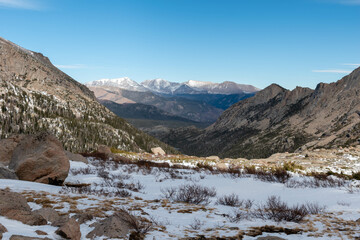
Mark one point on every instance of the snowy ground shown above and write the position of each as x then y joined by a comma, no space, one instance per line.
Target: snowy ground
174,220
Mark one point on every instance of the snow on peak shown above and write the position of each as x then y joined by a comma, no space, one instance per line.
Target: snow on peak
124,83
160,85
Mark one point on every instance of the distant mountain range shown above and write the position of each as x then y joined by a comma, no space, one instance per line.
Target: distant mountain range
280,120
161,86
36,96
192,102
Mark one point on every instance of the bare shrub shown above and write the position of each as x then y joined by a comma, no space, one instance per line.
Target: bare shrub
232,200
316,182
277,210
196,224
103,174
237,215
273,175
189,193
87,190
83,171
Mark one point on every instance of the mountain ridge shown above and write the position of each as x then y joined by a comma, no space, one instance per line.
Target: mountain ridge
36,96
280,120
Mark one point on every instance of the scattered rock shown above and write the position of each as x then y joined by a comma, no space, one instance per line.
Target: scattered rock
104,150
39,232
40,158
20,237
158,151
7,147
14,206
216,158
76,157
270,238
70,230
111,227
83,217
221,166
6,173
52,216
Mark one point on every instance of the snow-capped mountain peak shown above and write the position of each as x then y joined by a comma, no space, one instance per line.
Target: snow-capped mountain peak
160,85
124,83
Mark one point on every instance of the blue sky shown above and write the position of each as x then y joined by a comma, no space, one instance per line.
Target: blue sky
259,42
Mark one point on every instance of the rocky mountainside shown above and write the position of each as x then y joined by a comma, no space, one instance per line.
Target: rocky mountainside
36,96
279,120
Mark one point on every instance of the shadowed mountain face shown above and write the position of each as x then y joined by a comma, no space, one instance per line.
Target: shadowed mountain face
279,120
36,96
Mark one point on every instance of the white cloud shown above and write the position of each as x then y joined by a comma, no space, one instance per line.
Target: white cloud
24,4
74,66
352,64
332,71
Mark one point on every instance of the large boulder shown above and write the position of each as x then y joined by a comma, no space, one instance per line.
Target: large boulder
111,227
7,147
14,206
6,173
158,151
70,230
76,157
40,158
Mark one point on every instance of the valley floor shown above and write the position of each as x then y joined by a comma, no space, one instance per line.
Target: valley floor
100,188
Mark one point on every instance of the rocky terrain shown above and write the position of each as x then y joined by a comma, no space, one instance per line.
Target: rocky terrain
280,120
115,194
36,96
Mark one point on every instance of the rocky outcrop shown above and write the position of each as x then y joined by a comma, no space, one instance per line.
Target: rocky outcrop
40,158
14,206
70,230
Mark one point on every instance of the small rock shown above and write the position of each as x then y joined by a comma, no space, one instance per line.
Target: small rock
158,151
270,238
216,158
136,236
111,227
83,217
52,216
40,158
76,157
221,166
38,232
70,230
105,150
2,229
